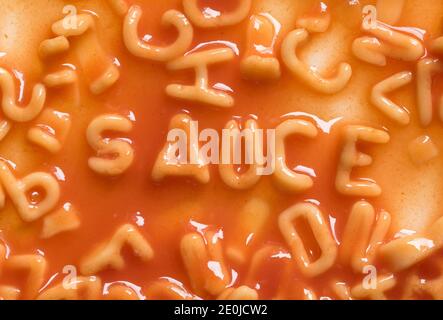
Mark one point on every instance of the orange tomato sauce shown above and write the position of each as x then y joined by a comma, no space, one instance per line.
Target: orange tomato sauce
165,211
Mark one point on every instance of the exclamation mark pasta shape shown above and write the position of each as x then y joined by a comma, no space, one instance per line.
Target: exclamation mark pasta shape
260,62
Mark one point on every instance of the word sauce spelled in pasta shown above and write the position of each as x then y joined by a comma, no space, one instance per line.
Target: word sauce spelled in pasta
231,150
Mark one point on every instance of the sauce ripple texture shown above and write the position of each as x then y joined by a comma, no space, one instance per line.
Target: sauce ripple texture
91,208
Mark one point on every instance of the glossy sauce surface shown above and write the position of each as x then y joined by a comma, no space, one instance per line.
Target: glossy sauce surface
165,211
